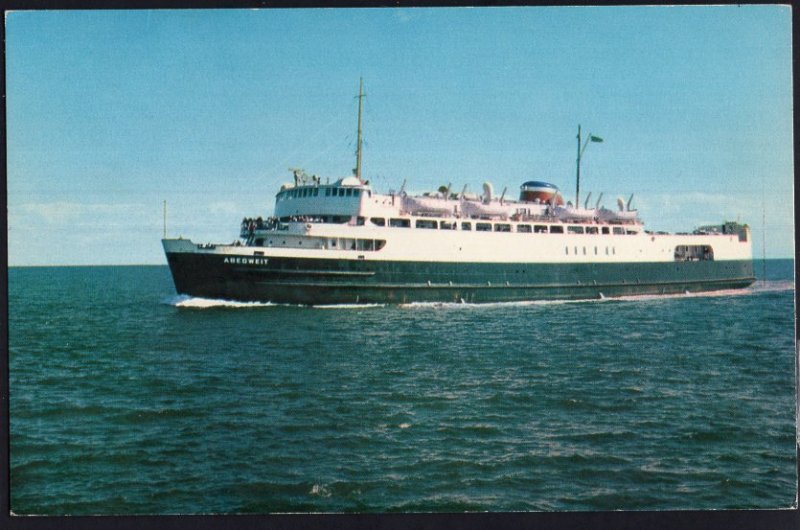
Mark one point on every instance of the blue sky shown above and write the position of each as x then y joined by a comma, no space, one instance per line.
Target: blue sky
112,112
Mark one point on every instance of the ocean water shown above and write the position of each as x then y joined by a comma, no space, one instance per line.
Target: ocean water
128,399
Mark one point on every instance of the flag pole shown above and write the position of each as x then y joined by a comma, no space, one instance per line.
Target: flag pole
578,176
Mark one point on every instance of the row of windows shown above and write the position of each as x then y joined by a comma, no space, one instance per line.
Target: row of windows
575,251
344,244
501,227
299,193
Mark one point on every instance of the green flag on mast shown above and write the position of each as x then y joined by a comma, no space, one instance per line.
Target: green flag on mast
595,138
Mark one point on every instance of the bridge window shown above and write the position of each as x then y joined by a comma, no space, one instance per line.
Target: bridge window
400,223
605,230
447,225
356,193
556,229
327,192
483,227
378,221
348,192
539,229
316,192
591,229
572,229
524,228
426,223
466,226
502,227
618,230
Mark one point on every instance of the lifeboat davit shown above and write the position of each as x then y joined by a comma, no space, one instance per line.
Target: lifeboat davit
544,191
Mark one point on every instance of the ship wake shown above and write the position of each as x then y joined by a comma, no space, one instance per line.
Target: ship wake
195,302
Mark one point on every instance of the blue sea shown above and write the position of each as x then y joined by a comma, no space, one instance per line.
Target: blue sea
128,399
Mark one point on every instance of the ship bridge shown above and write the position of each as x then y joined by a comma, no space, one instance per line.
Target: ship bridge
342,199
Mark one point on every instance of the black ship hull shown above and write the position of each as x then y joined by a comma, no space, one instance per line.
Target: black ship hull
310,281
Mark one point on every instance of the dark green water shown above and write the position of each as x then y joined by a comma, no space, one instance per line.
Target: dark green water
126,399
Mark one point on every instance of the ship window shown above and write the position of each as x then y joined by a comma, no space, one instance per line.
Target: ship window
556,229
502,227
327,192
540,229
595,251
483,227
605,231
591,229
606,251
584,251
316,192
356,193
379,244
360,221
341,192
631,232
524,228
378,221
572,229
614,250
348,192
619,230
576,251
400,223
694,253
566,251
260,243
466,226
447,225
426,223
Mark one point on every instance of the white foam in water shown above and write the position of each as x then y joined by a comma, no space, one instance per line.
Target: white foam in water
758,287
347,306
772,285
195,302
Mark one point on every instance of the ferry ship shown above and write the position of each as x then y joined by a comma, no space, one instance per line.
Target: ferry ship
344,243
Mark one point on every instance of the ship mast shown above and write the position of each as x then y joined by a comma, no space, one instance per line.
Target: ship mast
358,147
591,138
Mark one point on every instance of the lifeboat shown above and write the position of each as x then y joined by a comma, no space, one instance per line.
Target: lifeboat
575,214
544,191
621,215
488,209
624,214
431,205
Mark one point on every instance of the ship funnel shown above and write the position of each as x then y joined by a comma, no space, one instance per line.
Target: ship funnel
629,203
488,192
621,203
